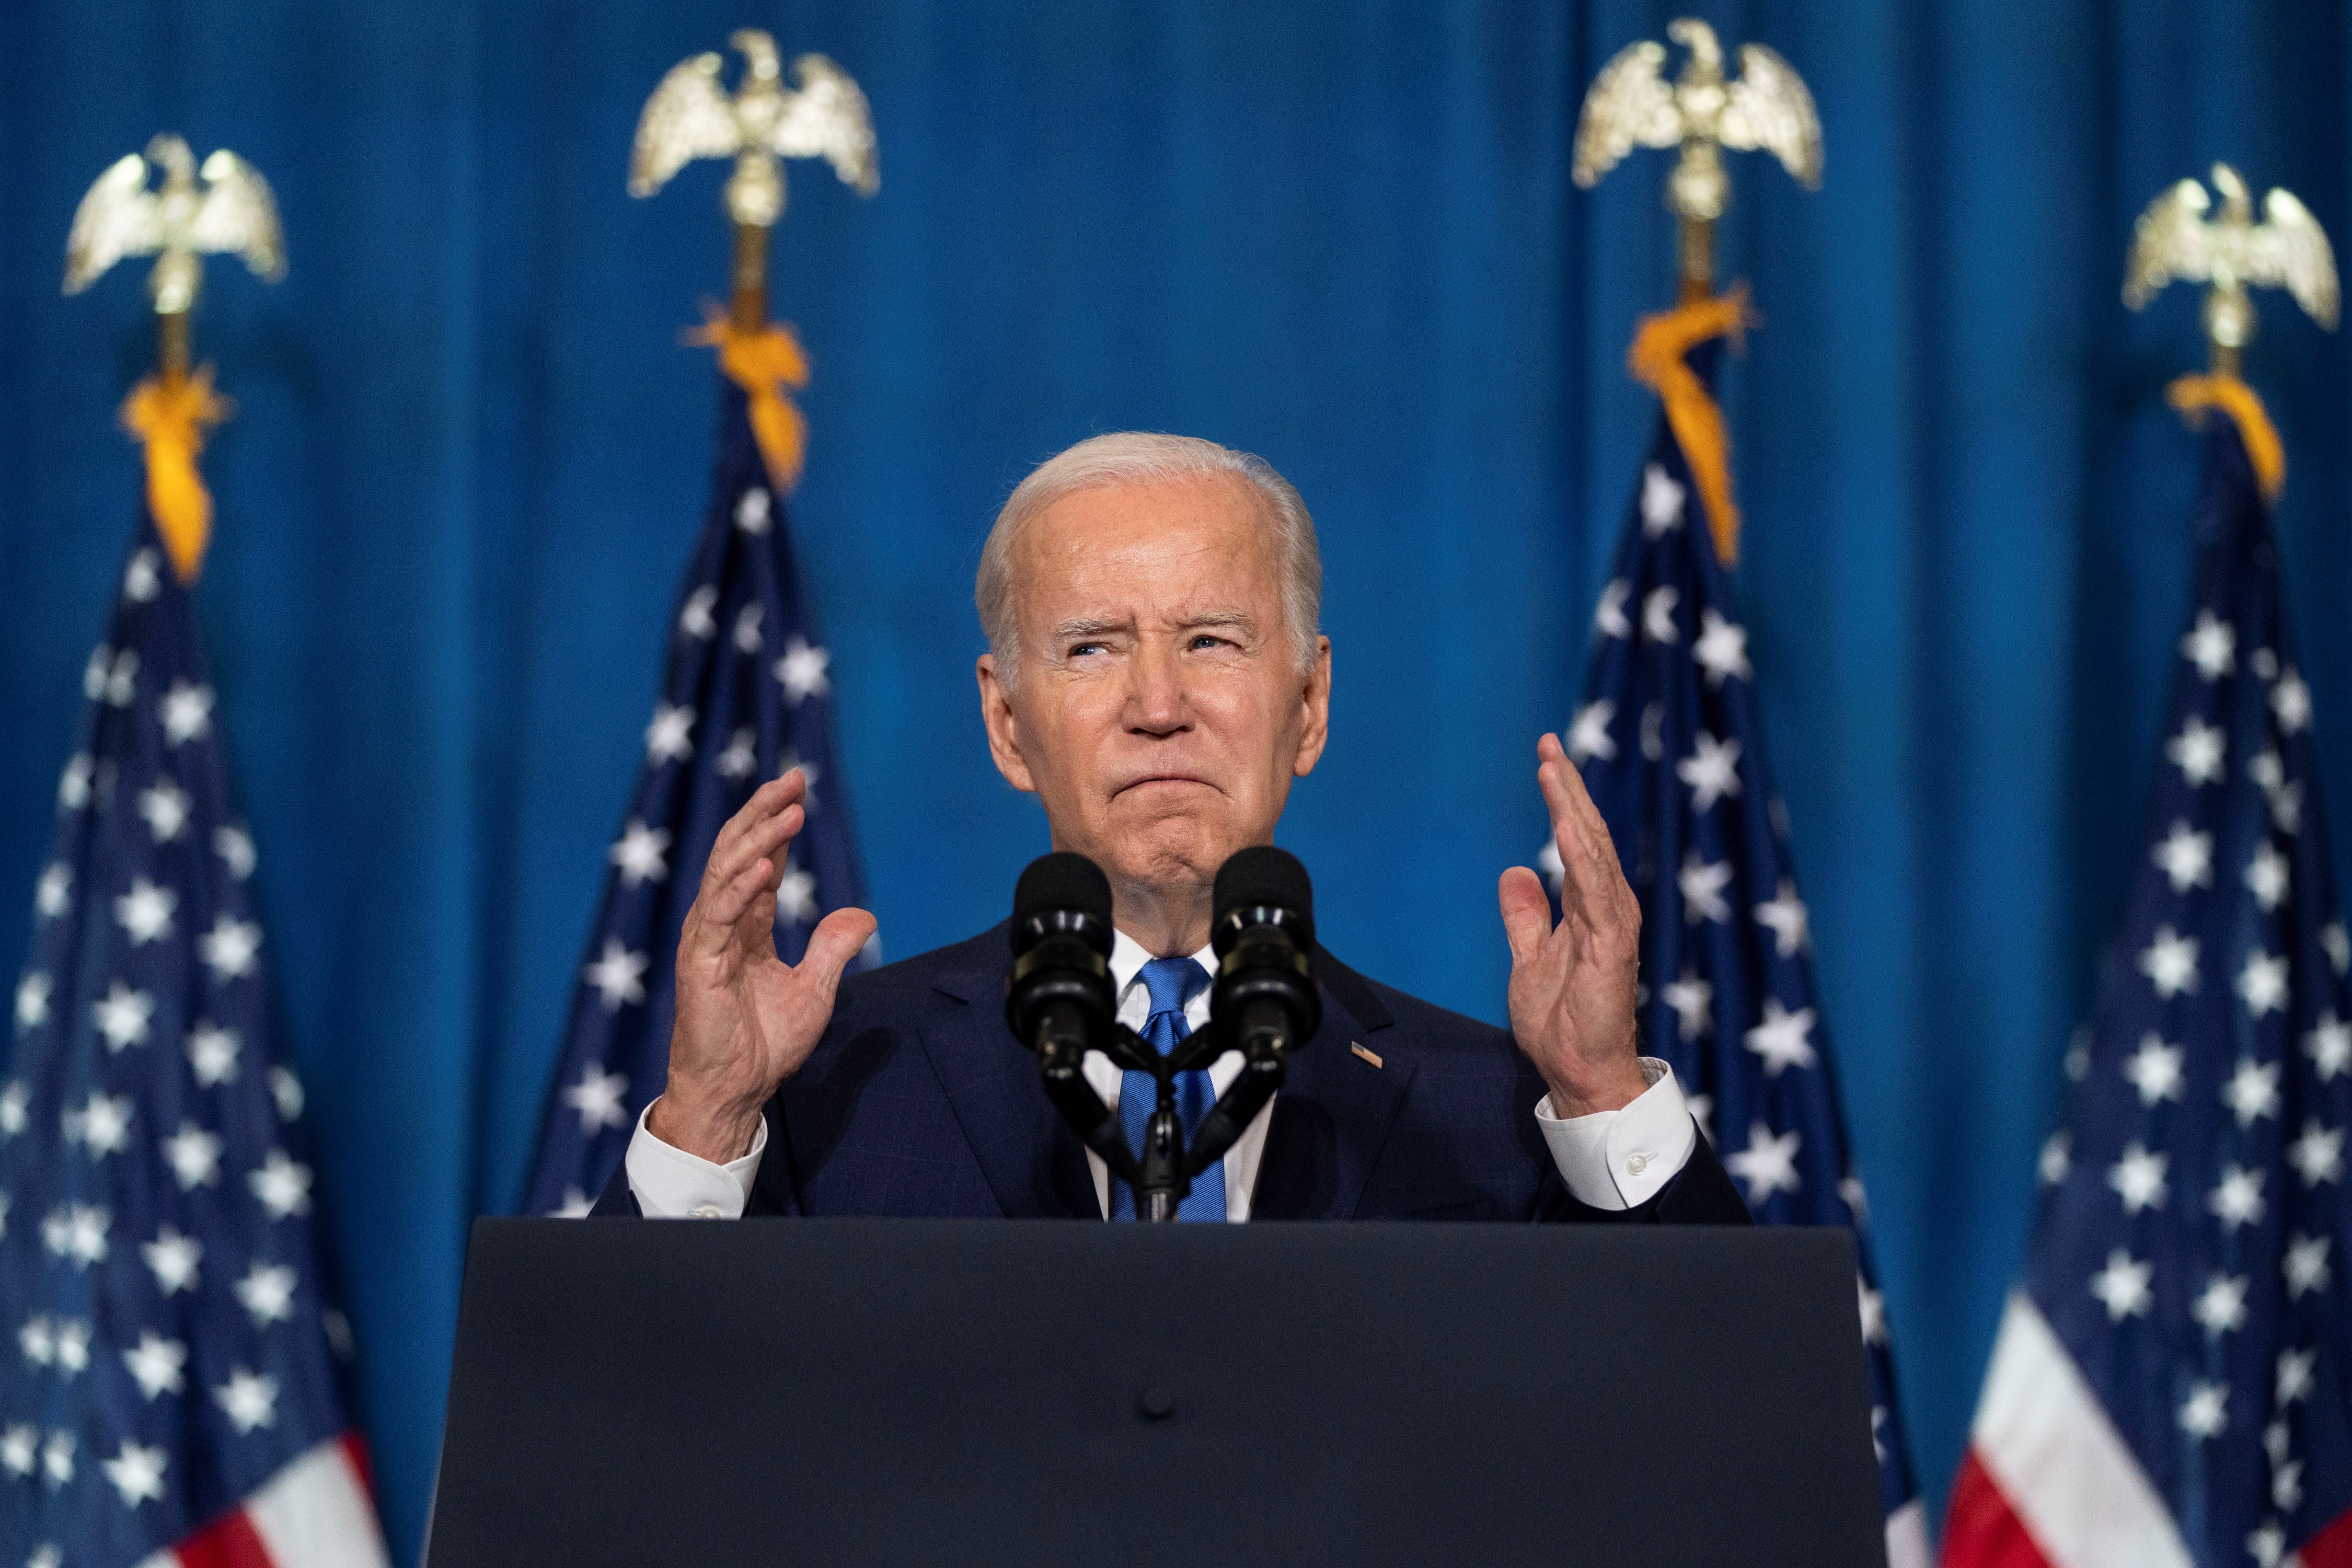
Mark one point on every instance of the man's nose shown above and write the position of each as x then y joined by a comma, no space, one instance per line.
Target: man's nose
1155,695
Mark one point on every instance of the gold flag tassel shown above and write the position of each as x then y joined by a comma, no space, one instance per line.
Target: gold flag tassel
765,361
1656,360
170,415
2194,394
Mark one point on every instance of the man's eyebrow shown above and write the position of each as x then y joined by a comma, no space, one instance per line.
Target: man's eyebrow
1238,620
1085,627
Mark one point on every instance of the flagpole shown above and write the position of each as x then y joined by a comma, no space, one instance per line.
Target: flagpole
749,311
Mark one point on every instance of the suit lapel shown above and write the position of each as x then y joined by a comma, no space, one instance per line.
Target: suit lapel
1033,1163
1335,1107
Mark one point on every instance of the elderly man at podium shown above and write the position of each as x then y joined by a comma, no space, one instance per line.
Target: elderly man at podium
1155,677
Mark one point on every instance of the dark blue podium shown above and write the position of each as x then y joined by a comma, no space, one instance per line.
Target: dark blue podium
1041,1393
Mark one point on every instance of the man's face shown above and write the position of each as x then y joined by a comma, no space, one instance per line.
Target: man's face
1160,712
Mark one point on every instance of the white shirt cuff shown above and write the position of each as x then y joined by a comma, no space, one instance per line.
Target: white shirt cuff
1613,1159
671,1184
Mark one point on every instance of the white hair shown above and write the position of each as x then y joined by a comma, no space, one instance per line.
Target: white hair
1134,459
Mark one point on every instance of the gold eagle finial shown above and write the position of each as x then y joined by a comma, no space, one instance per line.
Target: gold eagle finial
690,116
2174,241
1631,104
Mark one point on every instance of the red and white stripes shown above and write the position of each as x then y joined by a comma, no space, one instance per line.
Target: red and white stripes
317,1512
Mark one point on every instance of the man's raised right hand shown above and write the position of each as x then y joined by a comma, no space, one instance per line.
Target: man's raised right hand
746,1019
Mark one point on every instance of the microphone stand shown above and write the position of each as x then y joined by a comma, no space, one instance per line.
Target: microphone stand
1162,1178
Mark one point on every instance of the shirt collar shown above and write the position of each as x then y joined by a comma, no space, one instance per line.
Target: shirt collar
1128,957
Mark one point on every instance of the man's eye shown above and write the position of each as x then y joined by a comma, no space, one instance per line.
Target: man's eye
1080,650
1206,640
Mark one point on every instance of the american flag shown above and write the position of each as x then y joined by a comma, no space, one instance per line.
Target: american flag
747,695
2170,1384
172,1391
1669,742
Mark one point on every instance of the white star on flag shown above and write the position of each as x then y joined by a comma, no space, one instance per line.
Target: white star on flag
267,1292
1721,648
1589,736
58,1470
20,1447
1608,615
597,1097
212,1054
751,512
2221,1307
174,1258
234,846
137,1473
283,1185
1782,1040
1658,615
801,671
639,853
2294,1376
2238,1199
2291,702
37,1340
1785,915
2211,646
2170,962
1712,770
250,1400
2252,1091
139,578
102,1126
2201,1412
619,975
694,619
1693,1000
1702,886
2122,1286
667,737
287,1090
229,949
145,911
194,1155
31,1001
73,784
164,809
123,1015
2197,751
1768,1164
741,756
73,1347
795,896
747,627
14,1102
1874,1312
54,894
2329,1046
2338,943
2057,1159
121,683
2263,982
1662,503
2307,1266
2155,1070
155,1364
2186,856
187,713
2266,876
2318,1155
2138,1178
576,1204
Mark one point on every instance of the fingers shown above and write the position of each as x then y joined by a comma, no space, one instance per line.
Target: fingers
1590,882
836,940
712,924
767,819
1526,913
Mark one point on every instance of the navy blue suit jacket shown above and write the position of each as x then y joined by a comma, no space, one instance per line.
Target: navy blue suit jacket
920,1101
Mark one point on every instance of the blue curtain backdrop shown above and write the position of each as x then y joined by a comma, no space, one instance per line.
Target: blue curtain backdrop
471,455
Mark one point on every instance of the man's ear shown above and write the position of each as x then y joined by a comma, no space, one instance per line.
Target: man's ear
1003,729
1314,698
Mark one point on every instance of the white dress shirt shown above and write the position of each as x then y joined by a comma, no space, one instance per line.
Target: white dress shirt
1609,1159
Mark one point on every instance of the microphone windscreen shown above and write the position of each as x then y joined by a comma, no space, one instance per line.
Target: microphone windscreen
1057,883
1264,875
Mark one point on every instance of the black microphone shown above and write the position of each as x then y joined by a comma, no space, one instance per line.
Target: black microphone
1263,931
1061,996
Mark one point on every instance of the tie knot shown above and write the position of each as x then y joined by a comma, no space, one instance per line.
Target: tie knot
1173,983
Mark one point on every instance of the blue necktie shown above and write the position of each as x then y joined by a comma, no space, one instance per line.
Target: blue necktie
1171,983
